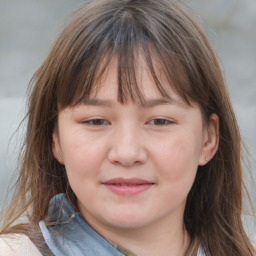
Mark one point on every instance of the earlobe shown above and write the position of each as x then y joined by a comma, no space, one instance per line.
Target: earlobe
56,148
211,140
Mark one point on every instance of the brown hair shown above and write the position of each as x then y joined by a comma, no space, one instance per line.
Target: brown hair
165,33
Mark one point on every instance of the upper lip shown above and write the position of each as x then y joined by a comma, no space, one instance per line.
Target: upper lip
124,181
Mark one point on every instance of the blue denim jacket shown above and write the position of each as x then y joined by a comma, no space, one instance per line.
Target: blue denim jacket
66,233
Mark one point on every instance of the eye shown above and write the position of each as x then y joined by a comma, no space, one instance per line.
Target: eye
160,122
96,122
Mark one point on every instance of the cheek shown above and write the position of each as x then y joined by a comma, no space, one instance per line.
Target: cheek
178,157
82,158
83,164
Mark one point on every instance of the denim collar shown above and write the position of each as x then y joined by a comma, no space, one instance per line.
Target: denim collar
66,233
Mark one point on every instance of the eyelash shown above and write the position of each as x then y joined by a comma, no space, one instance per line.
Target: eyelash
102,122
96,122
164,122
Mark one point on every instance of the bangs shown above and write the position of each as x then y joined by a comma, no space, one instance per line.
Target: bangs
129,62
127,35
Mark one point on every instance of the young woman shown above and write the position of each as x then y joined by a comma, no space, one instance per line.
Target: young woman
132,145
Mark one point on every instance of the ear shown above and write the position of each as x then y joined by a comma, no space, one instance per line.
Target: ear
56,149
210,140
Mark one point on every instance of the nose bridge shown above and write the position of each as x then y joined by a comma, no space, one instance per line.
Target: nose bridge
127,144
126,133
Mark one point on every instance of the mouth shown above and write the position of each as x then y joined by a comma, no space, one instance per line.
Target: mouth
128,187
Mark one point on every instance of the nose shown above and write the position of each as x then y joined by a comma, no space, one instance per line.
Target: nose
127,148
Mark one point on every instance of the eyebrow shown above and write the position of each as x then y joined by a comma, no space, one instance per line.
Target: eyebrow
156,102
146,104
98,102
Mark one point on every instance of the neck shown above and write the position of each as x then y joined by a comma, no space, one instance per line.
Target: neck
162,239
163,244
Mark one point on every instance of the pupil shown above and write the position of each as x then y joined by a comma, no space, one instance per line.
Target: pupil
98,122
159,121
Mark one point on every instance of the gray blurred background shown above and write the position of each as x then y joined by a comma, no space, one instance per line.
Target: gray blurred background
28,29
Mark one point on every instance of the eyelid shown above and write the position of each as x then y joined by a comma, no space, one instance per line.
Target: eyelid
94,119
167,120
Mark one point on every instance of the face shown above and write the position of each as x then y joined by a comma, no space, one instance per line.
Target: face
132,166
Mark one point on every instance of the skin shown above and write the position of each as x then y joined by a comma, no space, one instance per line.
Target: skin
160,142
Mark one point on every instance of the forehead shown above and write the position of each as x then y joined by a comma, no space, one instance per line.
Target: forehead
108,84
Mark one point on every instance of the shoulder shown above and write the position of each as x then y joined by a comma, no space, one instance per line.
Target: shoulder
17,245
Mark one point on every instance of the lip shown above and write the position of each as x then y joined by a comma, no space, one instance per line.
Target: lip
128,187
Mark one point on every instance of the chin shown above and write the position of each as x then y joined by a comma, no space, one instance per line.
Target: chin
127,221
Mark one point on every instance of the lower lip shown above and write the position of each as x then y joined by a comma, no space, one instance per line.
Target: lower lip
128,190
